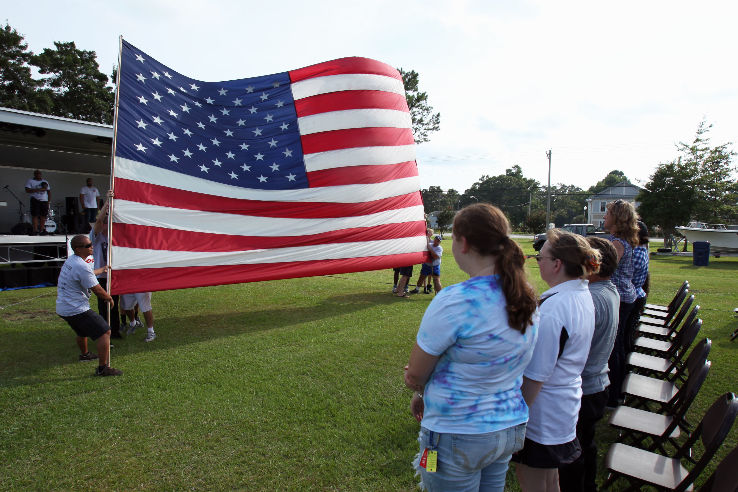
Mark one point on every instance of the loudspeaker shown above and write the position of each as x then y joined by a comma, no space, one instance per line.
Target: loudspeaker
71,203
22,229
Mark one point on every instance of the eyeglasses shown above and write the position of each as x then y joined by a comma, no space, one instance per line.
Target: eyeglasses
540,257
89,245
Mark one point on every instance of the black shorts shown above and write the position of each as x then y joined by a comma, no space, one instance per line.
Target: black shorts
407,271
87,324
537,455
39,208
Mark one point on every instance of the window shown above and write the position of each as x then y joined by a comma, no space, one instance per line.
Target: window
603,206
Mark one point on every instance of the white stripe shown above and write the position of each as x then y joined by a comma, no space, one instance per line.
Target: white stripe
354,118
129,258
219,223
359,156
346,82
357,193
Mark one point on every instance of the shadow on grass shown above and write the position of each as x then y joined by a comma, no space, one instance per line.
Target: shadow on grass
38,350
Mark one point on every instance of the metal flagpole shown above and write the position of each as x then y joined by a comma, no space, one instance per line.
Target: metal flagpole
111,200
548,193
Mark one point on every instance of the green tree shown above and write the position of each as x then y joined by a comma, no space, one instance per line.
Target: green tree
511,192
613,177
698,185
17,86
77,87
433,199
424,120
444,219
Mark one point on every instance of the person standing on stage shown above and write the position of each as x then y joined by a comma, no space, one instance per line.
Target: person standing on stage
88,197
40,192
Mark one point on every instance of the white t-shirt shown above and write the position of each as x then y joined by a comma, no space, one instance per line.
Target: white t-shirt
35,184
437,250
90,194
73,288
554,413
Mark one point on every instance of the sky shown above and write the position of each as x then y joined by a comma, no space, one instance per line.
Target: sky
602,85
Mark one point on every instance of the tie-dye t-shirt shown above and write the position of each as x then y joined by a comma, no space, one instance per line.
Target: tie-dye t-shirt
475,386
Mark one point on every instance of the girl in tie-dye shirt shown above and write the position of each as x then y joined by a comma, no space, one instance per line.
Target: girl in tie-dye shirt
474,342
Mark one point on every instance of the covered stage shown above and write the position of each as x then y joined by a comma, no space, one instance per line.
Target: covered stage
67,152
31,260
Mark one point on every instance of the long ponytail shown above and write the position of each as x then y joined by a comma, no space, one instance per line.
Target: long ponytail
486,230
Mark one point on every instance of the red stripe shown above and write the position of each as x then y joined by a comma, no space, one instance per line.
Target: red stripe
343,66
362,174
356,137
158,238
135,191
155,279
339,101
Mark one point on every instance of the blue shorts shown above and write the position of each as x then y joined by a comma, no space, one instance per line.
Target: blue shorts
427,269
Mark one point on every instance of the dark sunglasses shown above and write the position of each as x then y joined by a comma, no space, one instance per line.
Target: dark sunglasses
89,245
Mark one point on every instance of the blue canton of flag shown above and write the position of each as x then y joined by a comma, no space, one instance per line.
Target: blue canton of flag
241,132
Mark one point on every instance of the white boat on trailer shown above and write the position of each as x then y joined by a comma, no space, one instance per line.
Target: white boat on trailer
722,238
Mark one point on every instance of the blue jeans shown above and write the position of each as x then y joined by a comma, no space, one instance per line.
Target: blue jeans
470,462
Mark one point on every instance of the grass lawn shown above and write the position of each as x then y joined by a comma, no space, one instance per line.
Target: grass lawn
283,385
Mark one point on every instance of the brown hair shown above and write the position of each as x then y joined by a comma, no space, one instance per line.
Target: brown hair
608,255
486,231
579,258
625,221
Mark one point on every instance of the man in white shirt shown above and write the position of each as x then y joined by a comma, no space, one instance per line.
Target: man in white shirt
39,190
76,281
88,197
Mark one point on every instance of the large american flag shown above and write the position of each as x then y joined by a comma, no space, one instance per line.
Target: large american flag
300,173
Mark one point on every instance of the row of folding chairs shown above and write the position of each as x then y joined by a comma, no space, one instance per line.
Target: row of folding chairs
656,443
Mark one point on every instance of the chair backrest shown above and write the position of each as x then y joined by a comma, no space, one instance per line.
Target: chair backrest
694,361
678,298
725,476
673,325
673,308
682,341
686,394
712,431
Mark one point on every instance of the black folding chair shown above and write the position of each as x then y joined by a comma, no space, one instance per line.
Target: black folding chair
671,320
667,367
660,307
640,467
662,396
652,431
725,476
672,308
662,346
666,333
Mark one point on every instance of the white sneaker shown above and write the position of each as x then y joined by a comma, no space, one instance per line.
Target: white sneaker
132,327
150,337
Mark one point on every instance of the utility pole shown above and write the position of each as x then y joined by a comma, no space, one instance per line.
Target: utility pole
548,193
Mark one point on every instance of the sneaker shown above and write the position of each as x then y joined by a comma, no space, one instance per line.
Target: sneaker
88,356
394,289
132,328
415,291
107,371
150,337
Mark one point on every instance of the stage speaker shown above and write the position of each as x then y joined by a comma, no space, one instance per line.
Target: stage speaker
71,203
21,229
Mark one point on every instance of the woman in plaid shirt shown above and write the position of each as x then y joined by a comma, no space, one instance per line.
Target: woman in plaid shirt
640,282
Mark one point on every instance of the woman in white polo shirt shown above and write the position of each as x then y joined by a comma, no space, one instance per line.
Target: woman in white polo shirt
552,382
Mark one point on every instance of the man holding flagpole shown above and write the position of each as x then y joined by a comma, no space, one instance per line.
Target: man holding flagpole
76,281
